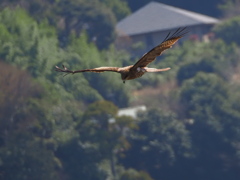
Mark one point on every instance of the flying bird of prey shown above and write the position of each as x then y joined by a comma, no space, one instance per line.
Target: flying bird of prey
140,67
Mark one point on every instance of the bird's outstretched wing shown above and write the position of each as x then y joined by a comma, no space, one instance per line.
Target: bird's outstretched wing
167,43
96,70
156,70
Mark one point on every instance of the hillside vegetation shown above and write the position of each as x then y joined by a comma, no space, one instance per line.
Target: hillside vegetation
54,127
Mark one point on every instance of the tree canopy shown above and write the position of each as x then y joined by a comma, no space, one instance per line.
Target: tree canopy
68,128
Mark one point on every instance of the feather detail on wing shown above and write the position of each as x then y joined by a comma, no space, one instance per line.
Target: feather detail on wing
99,69
96,70
158,50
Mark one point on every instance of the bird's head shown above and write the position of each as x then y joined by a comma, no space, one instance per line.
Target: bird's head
124,77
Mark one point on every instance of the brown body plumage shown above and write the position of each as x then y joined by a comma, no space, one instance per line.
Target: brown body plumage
140,67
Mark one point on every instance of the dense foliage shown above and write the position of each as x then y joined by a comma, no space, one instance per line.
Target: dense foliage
210,7
98,17
68,128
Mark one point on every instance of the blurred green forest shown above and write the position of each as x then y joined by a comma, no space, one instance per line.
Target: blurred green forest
54,127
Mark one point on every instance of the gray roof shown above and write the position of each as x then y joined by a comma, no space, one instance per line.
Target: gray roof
158,17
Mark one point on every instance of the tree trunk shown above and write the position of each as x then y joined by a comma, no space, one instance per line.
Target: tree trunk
112,164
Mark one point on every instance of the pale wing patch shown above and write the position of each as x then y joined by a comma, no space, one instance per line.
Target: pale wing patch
155,70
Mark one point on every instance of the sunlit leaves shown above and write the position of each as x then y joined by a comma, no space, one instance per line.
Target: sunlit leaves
29,45
132,174
228,30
